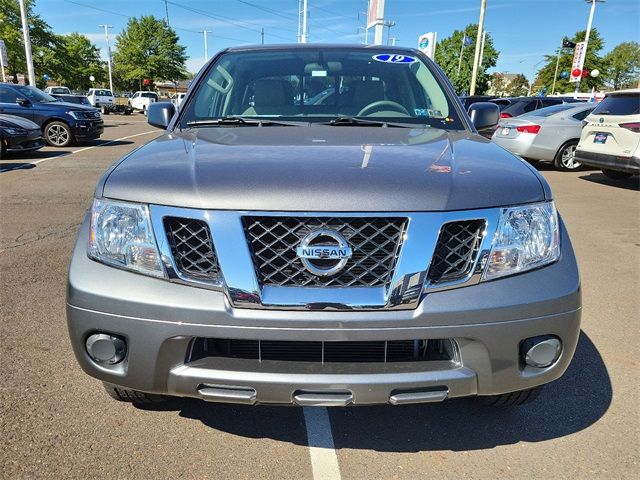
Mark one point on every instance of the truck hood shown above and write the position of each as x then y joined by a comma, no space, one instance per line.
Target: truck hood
323,168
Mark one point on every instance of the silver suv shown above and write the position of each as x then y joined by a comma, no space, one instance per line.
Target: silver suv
369,248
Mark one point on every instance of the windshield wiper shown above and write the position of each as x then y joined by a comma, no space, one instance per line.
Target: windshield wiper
359,122
237,120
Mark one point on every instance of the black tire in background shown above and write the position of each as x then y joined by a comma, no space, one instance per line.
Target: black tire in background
105,110
511,399
565,158
132,396
615,175
58,134
3,148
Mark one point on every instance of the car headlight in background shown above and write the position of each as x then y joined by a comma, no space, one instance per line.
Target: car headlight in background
14,131
528,237
121,235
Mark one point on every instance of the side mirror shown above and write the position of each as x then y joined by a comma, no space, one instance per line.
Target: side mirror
23,102
484,115
159,114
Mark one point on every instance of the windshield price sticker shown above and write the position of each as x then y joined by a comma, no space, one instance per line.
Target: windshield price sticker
394,58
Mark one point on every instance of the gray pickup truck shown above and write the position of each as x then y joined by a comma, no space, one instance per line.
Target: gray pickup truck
323,226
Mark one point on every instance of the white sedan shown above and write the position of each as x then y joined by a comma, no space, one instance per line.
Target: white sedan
549,134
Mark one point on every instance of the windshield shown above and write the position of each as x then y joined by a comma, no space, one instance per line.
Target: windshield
628,104
35,95
320,84
149,95
103,93
60,90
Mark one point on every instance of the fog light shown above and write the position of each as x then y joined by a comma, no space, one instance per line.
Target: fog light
541,351
106,349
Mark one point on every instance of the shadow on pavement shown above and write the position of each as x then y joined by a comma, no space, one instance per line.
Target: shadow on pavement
573,403
8,167
631,183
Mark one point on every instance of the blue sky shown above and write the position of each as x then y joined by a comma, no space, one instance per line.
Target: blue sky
523,31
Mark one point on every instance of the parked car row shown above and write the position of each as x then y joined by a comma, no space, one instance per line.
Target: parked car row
62,122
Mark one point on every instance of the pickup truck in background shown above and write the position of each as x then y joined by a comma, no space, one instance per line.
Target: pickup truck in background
142,100
177,98
105,101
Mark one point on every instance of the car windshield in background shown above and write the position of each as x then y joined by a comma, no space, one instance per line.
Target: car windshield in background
319,85
628,104
149,95
35,95
103,93
552,110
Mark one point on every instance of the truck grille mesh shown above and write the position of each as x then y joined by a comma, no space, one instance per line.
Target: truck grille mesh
456,251
192,248
324,352
375,243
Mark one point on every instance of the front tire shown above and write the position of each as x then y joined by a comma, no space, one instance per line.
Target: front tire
58,134
132,396
105,110
615,175
512,399
565,158
144,110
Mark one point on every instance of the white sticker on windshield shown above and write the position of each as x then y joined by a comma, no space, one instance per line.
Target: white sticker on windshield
318,73
394,58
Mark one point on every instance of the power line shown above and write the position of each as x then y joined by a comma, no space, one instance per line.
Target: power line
315,7
268,10
99,9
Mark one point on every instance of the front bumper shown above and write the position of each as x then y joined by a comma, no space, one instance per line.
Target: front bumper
26,143
87,129
159,321
611,162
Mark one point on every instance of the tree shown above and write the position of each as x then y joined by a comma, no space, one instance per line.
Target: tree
498,84
622,66
592,61
148,48
81,60
518,87
448,57
42,37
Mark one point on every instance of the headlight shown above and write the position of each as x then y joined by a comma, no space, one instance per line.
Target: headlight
15,131
528,237
79,115
121,235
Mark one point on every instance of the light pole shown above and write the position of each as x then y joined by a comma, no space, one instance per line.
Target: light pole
106,35
27,43
389,24
476,56
586,37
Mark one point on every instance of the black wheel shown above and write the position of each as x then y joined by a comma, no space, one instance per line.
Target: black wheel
3,148
615,175
565,158
511,399
104,110
58,134
132,396
144,110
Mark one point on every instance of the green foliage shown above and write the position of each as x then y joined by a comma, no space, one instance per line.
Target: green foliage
623,66
592,61
518,87
42,37
148,48
448,57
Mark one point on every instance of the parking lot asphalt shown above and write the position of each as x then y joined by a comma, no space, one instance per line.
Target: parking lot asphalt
57,422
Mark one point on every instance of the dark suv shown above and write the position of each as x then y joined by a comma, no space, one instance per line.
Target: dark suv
62,123
515,106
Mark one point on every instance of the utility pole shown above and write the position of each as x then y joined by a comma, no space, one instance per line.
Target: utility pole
555,75
206,51
586,37
262,36
27,44
305,32
106,35
474,73
389,24
484,38
166,9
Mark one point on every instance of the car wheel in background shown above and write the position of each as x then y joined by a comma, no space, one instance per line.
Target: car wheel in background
565,158
614,174
512,399
144,110
104,110
132,396
58,134
3,148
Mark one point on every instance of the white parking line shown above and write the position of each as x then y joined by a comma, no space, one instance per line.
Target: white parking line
94,146
324,461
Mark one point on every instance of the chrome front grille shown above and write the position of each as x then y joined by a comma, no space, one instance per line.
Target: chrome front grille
456,251
192,248
375,242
